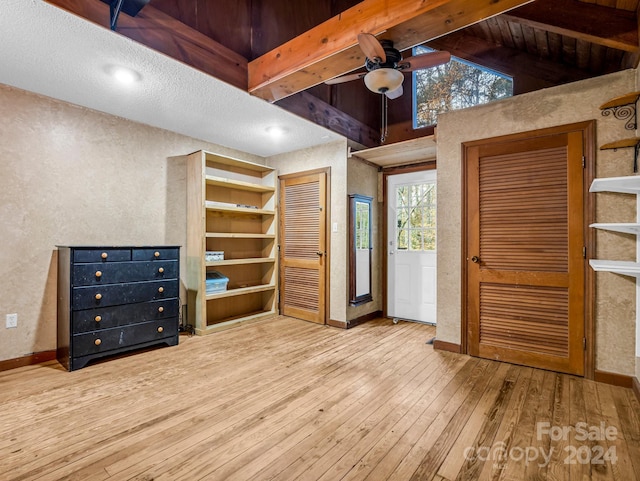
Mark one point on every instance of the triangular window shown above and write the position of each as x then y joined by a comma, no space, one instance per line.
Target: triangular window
452,86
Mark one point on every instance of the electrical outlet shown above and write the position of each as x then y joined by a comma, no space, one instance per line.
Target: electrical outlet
12,320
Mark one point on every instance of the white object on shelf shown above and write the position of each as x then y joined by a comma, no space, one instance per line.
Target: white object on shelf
210,256
625,185
627,228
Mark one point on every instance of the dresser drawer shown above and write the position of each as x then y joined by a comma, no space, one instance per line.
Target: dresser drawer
108,317
121,337
157,254
113,272
101,255
127,293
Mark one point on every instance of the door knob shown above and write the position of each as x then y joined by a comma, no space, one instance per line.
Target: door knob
319,253
475,259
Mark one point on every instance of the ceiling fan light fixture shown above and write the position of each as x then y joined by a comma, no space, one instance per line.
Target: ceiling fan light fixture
383,80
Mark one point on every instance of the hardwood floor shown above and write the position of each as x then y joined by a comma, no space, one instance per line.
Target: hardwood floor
290,400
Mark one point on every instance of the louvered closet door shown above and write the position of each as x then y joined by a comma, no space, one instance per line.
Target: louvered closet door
302,246
526,270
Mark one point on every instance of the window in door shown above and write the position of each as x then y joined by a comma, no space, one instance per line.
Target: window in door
416,217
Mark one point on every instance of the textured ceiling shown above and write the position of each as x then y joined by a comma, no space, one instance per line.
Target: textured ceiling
51,52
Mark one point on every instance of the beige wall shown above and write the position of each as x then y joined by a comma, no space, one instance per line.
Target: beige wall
362,178
615,295
333,155
70,176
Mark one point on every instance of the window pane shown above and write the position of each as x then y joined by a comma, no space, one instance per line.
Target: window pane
430,239
402,197
416,240
416,218
455,85
402,239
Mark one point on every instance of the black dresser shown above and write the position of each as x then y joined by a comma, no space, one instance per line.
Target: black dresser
115,299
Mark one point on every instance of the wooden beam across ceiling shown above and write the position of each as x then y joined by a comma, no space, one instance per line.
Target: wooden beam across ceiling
590,22
330,49
320,112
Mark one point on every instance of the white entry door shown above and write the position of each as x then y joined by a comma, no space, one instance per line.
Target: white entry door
411,249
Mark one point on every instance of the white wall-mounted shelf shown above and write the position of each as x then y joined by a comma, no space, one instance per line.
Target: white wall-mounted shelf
627,228
626,268
625,185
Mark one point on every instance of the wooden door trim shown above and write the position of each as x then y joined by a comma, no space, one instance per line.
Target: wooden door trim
587,129
327,274
386,172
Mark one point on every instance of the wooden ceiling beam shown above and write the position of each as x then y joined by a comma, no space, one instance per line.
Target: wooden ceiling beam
330,49
590,22
524,68
320,112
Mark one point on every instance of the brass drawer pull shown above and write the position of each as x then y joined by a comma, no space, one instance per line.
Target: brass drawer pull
160,329
161,270
98,273
98,297
104,255
156,254
160,289
98,318
97,342
160,309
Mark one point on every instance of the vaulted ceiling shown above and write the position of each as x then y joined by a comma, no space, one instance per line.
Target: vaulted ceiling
282,51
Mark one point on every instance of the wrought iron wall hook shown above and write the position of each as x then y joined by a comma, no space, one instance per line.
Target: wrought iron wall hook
623,108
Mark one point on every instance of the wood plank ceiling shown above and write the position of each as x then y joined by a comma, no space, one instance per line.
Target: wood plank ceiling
268,47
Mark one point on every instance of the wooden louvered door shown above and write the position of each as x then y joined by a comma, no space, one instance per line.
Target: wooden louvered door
524,251
303,253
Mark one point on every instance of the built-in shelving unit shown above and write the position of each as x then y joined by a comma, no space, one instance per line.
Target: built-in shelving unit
625,185
231,209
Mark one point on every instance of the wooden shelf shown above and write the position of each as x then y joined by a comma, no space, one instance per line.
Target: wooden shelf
238,235
626,228
238,210
238,184
630,98
621,144
231,162
625,185
626,268
234,321
239,262
241,291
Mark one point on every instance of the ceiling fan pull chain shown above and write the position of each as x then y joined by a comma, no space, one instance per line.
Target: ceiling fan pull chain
384,130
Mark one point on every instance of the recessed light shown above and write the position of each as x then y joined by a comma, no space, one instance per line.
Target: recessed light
124,75
276,131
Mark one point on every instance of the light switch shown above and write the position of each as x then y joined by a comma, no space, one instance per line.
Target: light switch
335,227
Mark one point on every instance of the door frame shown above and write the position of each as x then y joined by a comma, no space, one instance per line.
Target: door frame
587,129
327,222
387,171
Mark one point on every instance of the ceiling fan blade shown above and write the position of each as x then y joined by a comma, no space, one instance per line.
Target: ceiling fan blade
426,60
345,78
394,94
371,47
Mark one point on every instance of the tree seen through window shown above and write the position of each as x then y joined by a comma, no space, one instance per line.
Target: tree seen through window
452,86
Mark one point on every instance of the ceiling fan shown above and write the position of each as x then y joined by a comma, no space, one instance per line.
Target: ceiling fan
385,66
